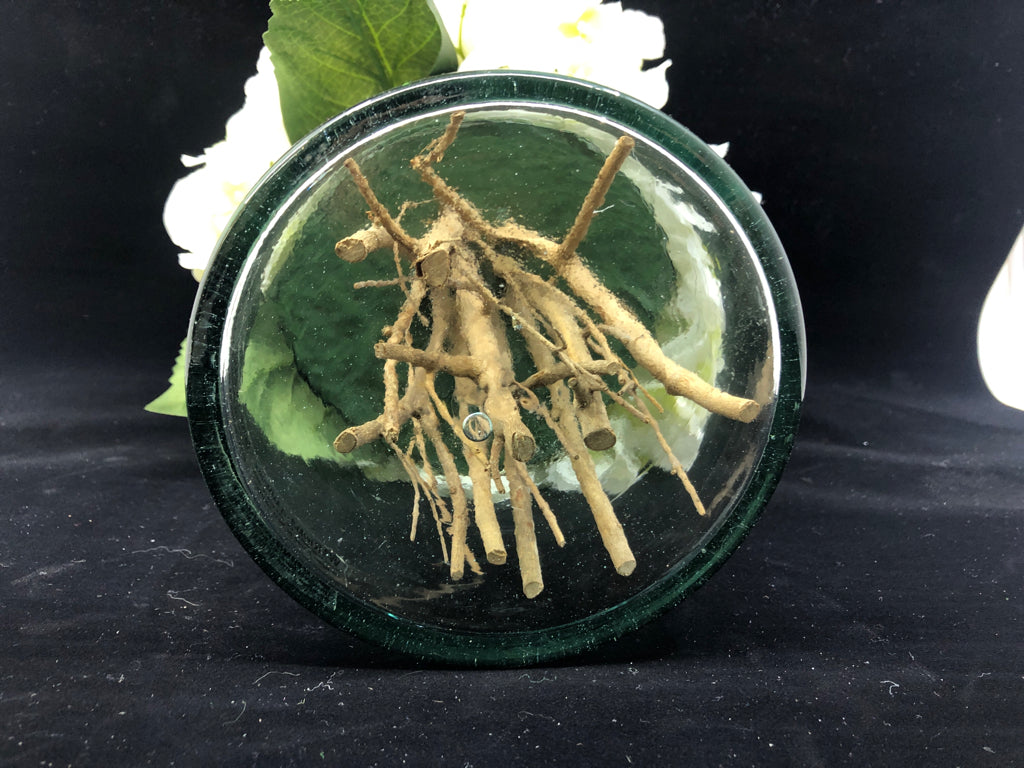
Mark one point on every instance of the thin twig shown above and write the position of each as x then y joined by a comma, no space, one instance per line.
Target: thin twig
594,199
377,209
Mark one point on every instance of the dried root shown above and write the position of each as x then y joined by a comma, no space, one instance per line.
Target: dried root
469,342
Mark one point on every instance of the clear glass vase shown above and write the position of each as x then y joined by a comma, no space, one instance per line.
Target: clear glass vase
533,399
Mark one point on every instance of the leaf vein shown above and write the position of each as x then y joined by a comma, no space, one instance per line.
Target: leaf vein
388,74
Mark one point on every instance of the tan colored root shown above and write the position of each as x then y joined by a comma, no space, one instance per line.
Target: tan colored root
448,197
430,488
590,409
360,435
395,414
594,199
357,247
483,506
471,561
612,534
545,509
460,506
434,267
494,463
525,531
678,381
562,420
598,434
399,281
677,467
624,325
560,371
486,341
628,379
631,409
456,365
642,412
378,212
443,307
479,474
435,150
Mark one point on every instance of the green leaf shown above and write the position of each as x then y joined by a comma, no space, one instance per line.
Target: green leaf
329,55
291,416
172,402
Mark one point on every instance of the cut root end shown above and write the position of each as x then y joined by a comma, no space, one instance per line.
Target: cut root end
497,557
345,442
600,439
533,588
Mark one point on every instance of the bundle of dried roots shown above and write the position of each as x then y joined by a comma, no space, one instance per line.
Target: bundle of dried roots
566,323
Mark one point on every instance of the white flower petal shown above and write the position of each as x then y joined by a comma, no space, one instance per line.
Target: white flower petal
600,42
1000,341
192,262
200,205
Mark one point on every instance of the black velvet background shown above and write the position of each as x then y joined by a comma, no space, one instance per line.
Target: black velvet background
874,615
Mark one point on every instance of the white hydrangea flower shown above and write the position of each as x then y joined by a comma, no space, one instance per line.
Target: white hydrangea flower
201,204
600,42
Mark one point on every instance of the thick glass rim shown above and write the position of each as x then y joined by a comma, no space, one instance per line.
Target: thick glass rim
210,321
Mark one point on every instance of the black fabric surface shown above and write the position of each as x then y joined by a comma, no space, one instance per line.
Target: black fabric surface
873,616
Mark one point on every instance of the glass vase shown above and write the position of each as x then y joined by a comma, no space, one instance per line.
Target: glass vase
495,367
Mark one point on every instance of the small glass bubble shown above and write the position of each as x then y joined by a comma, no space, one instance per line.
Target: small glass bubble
477,426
